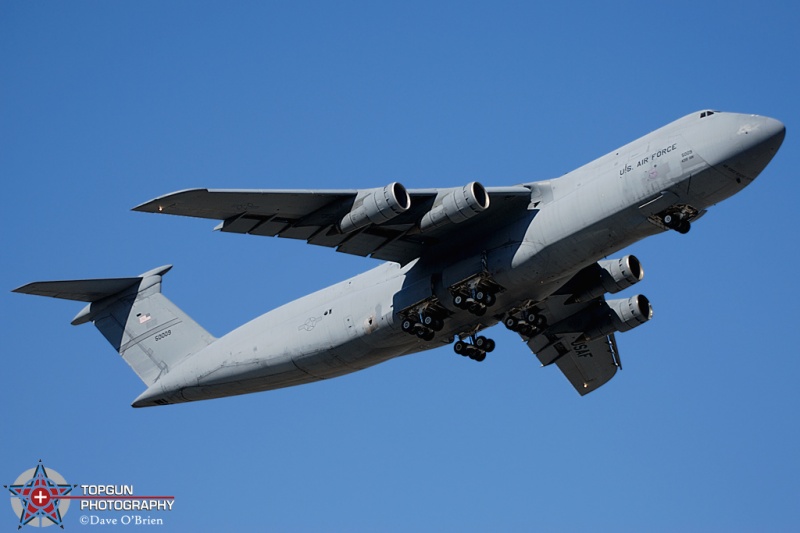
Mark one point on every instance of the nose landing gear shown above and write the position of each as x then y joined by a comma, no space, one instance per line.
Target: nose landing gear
676,222
677,218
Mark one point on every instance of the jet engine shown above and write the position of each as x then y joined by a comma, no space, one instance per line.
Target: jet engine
376,206
607,317
619,315
609,276
456,205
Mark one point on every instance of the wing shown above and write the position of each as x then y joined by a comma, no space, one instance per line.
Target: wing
387,223
587,364
574,328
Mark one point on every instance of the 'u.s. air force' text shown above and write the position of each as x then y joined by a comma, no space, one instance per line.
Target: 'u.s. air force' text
650,158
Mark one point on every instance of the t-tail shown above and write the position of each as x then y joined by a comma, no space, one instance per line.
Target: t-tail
149,331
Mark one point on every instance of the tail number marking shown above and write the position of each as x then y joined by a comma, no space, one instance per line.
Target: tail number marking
163,335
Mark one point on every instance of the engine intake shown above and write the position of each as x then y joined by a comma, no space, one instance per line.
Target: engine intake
376,206
456,205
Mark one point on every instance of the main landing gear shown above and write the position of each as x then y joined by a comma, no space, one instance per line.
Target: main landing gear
474,347
528,322
424,325
475,299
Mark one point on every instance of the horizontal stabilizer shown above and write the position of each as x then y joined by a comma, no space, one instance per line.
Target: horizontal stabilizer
84,290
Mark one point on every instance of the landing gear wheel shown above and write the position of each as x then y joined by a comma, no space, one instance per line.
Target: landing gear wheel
480,356
684,227
432,322
425,334
460,347
478,310
511,323
407,325
460,301
485,297
484,344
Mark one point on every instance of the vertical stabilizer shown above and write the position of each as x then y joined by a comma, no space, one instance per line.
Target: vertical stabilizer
149,331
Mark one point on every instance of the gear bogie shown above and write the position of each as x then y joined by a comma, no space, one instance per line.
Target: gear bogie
475,347
475,300
424,323
528,322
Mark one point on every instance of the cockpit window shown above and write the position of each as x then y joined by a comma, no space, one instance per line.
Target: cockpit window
705,114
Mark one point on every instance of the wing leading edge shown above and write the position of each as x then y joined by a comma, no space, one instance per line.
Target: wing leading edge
386,223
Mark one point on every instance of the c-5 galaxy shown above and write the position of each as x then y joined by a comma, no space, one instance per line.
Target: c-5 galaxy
457,261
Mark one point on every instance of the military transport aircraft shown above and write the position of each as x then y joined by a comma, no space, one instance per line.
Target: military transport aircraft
457,261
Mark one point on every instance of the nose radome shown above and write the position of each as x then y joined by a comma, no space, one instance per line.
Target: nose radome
755,130
758,139
774,131
770,137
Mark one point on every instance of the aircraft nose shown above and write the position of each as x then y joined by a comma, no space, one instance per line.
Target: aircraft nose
773,132
759,139
762,132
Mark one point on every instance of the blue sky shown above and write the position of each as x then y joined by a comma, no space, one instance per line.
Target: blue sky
104,105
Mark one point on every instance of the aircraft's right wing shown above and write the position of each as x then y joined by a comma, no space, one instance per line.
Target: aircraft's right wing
387,223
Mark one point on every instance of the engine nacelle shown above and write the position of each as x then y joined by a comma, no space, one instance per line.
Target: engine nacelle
620,315
376,206
607,317
610,276
456,205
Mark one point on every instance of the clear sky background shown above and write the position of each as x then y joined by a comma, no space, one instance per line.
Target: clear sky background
104,105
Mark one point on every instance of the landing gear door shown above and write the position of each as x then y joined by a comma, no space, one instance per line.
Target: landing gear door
463,270
413,294
658,203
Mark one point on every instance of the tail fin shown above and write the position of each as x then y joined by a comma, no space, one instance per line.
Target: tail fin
150,332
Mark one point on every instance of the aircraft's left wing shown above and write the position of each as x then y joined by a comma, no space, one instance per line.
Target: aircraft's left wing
574,328
389,223
586,364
